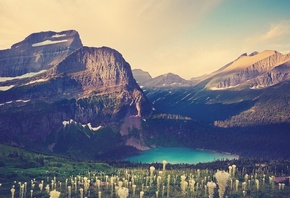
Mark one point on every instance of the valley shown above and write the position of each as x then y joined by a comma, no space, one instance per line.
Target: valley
71,116
87,103
145,99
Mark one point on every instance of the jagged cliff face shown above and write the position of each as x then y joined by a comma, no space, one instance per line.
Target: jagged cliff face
103,72
92,87
254,70
276,75
97,68
39,51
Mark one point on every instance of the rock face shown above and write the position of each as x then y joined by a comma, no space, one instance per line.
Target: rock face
97,68
87,75
276,75
256,69
91,86
103,71
39,51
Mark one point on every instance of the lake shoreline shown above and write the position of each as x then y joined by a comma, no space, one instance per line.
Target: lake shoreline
173,155
219,152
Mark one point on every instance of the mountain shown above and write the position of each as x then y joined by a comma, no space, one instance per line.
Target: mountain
252,90
250,122
83,102
38,52
255,70
141,76
167,80
196,80
276,75
89,90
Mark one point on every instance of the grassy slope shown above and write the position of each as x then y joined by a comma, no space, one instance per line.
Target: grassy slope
20,164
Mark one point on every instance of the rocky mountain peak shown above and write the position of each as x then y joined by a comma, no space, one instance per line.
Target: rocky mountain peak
97,67
251,54
244,54
87,87
39,51
251,70
254,53
44,39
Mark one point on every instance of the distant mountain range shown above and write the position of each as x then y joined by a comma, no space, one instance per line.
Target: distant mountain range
57,95
255,71
167,80
256,84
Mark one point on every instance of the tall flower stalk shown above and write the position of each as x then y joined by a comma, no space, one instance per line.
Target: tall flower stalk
211,186
164,162
222,178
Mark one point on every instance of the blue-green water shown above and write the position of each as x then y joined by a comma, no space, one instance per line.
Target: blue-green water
176,155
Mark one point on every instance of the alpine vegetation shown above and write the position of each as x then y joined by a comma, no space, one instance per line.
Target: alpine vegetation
147,181
222,178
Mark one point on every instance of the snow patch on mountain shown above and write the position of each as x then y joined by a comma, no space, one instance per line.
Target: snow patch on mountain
36,81
58,35
258,87
186,96
223,88
5,88
89,125
22,101
27,75
93,128
48,42
9,102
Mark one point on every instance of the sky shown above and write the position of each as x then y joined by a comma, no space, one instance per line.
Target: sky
186,37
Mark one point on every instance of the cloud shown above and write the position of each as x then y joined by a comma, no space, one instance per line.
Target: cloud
277,31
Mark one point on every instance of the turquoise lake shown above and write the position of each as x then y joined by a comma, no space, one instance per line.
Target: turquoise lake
175,155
